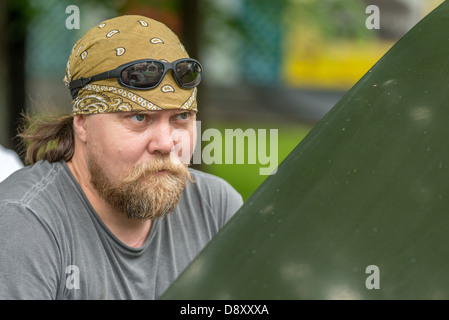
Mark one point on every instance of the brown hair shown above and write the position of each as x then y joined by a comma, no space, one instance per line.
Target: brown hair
47,138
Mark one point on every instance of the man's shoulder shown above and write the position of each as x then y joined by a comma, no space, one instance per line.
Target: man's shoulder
207,183
43,193
205,176
208,179
24,184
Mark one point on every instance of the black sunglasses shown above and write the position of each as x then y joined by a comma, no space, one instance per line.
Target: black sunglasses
146,74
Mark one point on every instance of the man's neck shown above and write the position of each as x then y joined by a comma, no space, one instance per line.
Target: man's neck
133,233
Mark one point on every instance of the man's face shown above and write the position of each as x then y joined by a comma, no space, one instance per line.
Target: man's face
134,159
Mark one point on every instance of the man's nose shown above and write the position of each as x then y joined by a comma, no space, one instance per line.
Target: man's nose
161,138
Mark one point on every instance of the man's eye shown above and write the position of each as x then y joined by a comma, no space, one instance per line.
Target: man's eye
138,117
183,116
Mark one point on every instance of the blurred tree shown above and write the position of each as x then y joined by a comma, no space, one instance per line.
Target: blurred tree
3,92
333,18
16,15
180,16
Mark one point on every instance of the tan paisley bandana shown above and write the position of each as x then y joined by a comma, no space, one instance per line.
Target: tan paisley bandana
118,41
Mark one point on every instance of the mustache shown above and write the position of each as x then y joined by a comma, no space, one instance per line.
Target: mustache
156,165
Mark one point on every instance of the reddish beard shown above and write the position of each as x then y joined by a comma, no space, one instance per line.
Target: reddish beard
152,190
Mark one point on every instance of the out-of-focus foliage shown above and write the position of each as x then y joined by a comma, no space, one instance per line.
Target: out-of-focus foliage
334,18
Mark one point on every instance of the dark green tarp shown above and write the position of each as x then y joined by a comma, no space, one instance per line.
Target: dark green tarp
360,208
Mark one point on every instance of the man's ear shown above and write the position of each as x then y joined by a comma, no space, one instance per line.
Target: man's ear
79,127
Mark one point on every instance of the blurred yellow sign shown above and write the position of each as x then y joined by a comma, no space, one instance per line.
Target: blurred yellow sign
333,66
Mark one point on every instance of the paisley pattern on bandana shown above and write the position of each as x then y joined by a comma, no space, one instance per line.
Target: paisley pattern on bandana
104,96
168,88
189,103
115,42
120,51
91,103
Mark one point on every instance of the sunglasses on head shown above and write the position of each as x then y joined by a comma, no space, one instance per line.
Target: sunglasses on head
146,74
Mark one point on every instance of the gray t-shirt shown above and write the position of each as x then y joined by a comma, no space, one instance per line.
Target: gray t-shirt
54,245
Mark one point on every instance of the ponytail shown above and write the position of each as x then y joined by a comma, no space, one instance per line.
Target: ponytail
50,139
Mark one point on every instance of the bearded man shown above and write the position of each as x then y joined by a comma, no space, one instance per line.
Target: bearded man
107,209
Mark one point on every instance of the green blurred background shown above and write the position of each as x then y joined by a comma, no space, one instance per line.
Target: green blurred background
268,64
